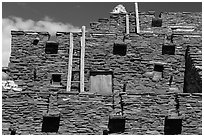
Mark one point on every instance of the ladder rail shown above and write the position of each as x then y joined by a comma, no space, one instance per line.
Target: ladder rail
82,59
69,75
82,56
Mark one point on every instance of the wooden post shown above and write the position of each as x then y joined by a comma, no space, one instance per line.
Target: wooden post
137,18
127,24
69,75
82,59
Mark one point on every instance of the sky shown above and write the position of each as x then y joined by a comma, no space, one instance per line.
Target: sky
67,16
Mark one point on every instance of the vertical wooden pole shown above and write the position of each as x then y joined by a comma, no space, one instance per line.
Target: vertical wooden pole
82,60
71,47
137,18
127,24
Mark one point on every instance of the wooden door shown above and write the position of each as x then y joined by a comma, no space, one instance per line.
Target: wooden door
101,83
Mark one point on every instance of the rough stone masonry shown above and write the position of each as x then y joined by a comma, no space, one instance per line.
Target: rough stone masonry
161,67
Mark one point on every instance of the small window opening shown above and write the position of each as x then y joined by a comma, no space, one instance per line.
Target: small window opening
158,72
170,38
158,67
56,79
34,74
105,132
156,22
160,14
50,124
12,130
172,126
119,49
116,124
35,41
169,50
75,76
76,53
51,47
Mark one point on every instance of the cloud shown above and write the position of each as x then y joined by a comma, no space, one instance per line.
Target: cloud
16,23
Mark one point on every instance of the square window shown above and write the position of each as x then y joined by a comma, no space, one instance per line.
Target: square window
169,50
50,124
158,67
116,124
156,22
56,79
172,126
119,49
51,47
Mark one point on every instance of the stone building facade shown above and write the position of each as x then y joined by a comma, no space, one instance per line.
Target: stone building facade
157,73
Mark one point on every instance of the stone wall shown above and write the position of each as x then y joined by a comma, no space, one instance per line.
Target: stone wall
89,114
150,94
193,76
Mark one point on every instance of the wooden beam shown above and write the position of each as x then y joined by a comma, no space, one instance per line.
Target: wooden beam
127,24
82,59
69,75
137,18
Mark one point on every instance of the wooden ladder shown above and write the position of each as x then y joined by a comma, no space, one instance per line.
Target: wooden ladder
81,67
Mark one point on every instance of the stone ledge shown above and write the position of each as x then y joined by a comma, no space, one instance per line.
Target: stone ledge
13,32
149,93
184,94
69,93
87,93
66,33
197,94
181,27
100,34
54,114
158,62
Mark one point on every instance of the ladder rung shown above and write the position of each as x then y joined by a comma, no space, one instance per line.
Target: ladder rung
76,57
75,81
75,70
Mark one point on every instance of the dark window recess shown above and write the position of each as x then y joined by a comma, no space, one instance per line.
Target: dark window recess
105,132
75,86
34,74
50,124
156,22
116,124
56,79
170,50
51,47
76,53
75,76
170,38
13,131
35,41
120,49
158,67
172,126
